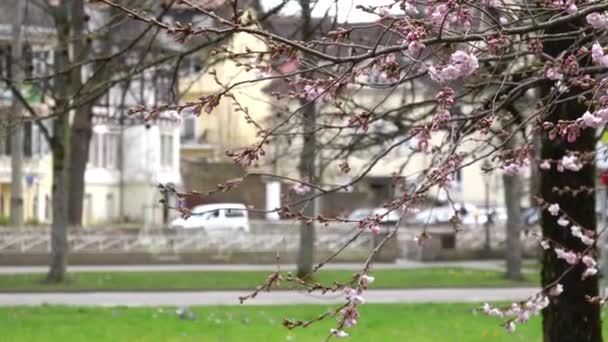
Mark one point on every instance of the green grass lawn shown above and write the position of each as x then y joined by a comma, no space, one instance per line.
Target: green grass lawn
233,280
378,322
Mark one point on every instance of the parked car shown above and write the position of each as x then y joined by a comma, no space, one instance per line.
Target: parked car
469,214
220,216
359,214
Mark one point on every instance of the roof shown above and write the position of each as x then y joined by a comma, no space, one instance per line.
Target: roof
35,14
38,24
216,206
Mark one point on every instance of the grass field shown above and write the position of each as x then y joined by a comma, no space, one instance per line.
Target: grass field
394,322
233,280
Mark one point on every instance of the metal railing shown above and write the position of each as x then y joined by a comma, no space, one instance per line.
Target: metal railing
38,241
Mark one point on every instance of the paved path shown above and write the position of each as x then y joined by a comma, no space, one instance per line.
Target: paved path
400,264
273,298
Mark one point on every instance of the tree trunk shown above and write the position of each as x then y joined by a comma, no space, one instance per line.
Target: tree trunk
570,317
307,167
307,170
59,234
513,194
17,76
60,143
82,131
82,126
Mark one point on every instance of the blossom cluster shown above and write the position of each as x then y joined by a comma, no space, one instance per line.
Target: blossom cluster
520,313
349,315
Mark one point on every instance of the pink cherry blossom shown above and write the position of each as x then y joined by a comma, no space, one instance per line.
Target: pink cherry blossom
512,169
571,163
523,316
554,74
466,63
603,114
311,92
556,290
571,9
358,299
586,240
491,3
300,189
577,232
349,292
545,244
353,295
545,165
374,228
554,209
597,54
438,16
365,280
415,47
590,120
510,327
569,256
461,65
339,333
597,20
589,261
562,221
174,116
589,272
349,316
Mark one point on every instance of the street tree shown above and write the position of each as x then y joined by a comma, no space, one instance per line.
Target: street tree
446,76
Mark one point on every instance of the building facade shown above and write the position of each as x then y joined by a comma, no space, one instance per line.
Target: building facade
128,156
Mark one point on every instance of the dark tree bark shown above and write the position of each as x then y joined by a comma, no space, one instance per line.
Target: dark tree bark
307,166
513,194
569,318
82,126
82,131
307,170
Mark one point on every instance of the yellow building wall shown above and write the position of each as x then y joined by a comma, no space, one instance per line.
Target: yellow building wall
226,126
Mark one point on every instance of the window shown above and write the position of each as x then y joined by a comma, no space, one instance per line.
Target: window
47,207
110,206
110,151
235,213
104,150
35,207
166,150
41,63
457,177
188,129
94,150
34,142
88,208
213,214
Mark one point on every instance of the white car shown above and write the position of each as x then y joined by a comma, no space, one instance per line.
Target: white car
362,213
220,216
441,215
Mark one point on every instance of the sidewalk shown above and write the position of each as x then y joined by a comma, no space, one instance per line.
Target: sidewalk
494,265
473,295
